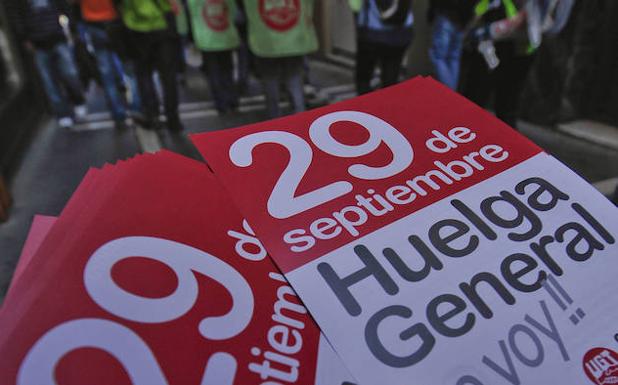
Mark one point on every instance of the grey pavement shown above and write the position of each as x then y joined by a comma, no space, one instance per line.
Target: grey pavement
56,160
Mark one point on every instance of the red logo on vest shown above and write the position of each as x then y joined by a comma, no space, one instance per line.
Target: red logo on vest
216,15
601,366
280,15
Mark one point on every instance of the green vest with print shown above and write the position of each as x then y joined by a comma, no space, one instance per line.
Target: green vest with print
213,26
281,28
145,15
483,6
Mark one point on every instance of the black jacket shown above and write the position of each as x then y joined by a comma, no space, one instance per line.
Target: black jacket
459,12
38,20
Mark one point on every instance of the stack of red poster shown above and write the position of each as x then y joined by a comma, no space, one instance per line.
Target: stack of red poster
431,243
150,276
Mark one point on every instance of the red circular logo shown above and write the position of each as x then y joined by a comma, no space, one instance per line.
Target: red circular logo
601,366
216,15
280,15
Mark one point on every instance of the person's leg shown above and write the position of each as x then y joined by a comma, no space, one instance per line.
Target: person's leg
67,70
478,81
439,50
44,63
243,67
269,70
293,78
366,59
243,59
213,70
105,63
167,61
142,43
390,64
510,79
454,56
127,70
230,94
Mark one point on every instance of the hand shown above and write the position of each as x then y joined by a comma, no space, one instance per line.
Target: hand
476,35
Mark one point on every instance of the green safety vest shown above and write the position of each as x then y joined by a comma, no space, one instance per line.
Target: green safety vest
145,15
483,6
280,28
509,8
213,26
355,5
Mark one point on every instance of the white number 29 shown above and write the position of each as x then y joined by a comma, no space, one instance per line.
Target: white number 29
283,201
122,343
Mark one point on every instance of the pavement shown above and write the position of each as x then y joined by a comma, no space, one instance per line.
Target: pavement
599,134
56,159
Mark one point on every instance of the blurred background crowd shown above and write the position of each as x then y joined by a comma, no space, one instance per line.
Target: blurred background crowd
559,53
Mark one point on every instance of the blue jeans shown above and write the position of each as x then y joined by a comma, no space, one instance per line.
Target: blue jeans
107,63
445,51
58,72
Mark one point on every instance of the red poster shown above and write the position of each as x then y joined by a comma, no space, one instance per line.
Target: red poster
156,279
432,243
41,225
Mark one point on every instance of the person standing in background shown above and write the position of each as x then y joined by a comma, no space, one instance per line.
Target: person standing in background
215,34
383,34
281,33
245,59
183,29
152,35
449,18
502,49
100,18
37,24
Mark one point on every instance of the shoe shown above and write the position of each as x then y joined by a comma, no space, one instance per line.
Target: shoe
174,125
66,122
80,111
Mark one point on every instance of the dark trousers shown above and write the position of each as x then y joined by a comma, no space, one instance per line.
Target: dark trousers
286,70
506,82
369,55
156,51
219,72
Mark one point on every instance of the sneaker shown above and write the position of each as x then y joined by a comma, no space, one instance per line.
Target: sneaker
80,111
66,122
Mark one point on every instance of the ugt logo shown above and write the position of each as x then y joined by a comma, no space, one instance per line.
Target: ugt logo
280,15
216,15
601,366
